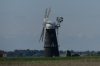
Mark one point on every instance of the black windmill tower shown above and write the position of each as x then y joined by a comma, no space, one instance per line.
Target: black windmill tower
50,32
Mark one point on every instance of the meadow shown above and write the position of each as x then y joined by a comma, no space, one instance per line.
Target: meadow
54,61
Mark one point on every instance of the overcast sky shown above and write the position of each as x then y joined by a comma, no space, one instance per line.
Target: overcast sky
21,24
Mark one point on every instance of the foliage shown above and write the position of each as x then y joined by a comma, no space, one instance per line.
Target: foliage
24,53
40,53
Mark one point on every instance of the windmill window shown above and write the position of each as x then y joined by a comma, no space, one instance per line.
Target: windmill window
53,44
51,35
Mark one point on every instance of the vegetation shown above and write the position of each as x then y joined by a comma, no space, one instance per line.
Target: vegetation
24,53
54,61
40,53
35,58
52,58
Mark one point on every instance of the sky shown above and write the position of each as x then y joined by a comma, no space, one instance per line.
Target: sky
21,24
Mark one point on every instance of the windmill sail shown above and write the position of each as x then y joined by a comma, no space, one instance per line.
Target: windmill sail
42,34
47,12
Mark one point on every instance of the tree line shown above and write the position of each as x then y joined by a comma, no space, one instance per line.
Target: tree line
40,53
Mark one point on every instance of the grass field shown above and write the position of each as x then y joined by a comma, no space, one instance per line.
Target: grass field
57,61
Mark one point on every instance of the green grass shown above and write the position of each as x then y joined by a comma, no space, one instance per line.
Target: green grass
52,58
51,61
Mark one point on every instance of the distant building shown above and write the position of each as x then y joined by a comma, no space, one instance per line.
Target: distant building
5,55
68,53
1,54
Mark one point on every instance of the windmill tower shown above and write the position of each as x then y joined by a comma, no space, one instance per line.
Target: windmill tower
50,32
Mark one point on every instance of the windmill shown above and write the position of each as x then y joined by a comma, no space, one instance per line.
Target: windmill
49,35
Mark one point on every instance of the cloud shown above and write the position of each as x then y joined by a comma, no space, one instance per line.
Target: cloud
9,37
80,35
